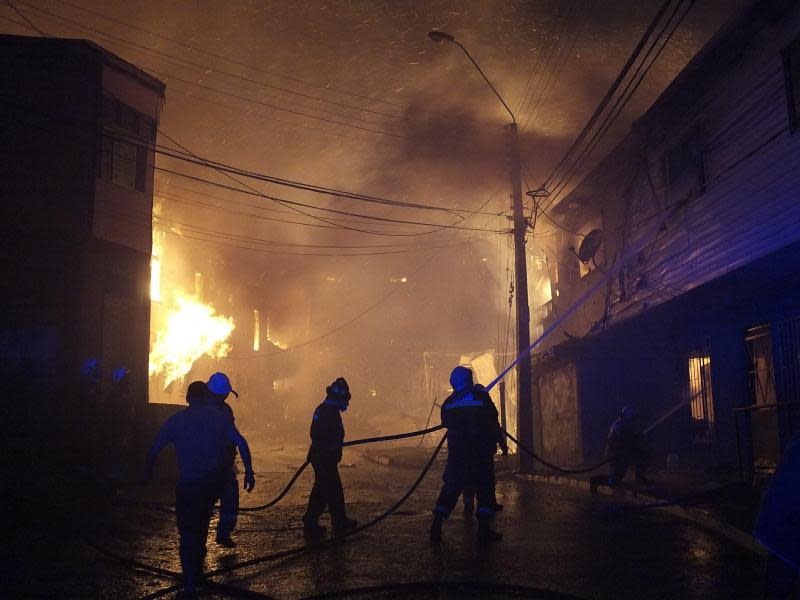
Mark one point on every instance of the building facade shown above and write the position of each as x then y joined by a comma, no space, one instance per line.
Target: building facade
79,126
690,232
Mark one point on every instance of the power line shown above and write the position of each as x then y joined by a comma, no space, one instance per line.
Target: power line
306,186
611,91
296,124
216,207
303,185
622,100
627,93
26,19
167,193
284,202
293,111
292,205
208,69
231,61
267,242
558,59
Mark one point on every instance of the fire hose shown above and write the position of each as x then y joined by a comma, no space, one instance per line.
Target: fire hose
550,465
132,563
325,543
382,438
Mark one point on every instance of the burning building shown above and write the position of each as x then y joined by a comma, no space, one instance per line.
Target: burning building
700,327
79,125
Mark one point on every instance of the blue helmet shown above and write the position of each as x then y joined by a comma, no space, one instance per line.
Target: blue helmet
461,378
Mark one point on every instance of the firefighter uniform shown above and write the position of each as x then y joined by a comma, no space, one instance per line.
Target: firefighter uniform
472,435
468,495
219,387
327,437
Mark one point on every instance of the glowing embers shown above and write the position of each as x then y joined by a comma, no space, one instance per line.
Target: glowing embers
191,329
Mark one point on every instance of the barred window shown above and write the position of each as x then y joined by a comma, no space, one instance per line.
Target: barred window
701,395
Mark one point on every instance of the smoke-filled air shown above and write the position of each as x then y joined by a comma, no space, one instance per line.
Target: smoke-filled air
284,287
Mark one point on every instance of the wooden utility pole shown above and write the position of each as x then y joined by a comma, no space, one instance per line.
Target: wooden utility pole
524,387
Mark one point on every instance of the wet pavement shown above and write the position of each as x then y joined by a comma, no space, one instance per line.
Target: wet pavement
559,542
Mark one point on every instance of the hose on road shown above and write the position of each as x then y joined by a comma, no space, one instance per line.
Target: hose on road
550,465
135,564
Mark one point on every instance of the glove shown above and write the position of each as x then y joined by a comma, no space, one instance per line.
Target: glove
249,481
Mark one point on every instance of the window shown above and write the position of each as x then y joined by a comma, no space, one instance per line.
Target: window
684,164
761,375
117,115
701,395
124,149
123,162
791,69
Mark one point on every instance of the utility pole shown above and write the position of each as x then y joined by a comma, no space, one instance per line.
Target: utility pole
524,387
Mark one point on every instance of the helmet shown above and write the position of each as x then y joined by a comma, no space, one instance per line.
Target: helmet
197,391
629,412
461,378
220,385
340,389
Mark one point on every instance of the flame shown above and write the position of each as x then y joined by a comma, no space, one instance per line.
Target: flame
155,267
191,330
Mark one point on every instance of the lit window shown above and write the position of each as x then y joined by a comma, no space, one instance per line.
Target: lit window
701,397
791,65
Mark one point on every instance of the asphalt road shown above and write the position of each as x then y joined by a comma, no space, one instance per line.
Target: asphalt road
559,542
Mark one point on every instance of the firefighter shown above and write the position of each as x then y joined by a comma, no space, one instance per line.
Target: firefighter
625,448
327,437
201,437
468,495
219,388
472,435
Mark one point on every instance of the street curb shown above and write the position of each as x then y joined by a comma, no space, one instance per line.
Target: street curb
694,515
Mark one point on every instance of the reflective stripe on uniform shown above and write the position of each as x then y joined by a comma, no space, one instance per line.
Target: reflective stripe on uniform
467,401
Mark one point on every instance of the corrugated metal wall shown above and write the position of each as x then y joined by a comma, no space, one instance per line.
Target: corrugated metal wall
749,203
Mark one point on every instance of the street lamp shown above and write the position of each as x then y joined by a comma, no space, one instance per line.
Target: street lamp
525,400
440,37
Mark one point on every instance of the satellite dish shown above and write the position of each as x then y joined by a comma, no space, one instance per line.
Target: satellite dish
590,245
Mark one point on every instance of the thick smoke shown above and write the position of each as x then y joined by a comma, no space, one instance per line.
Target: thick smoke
444,143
